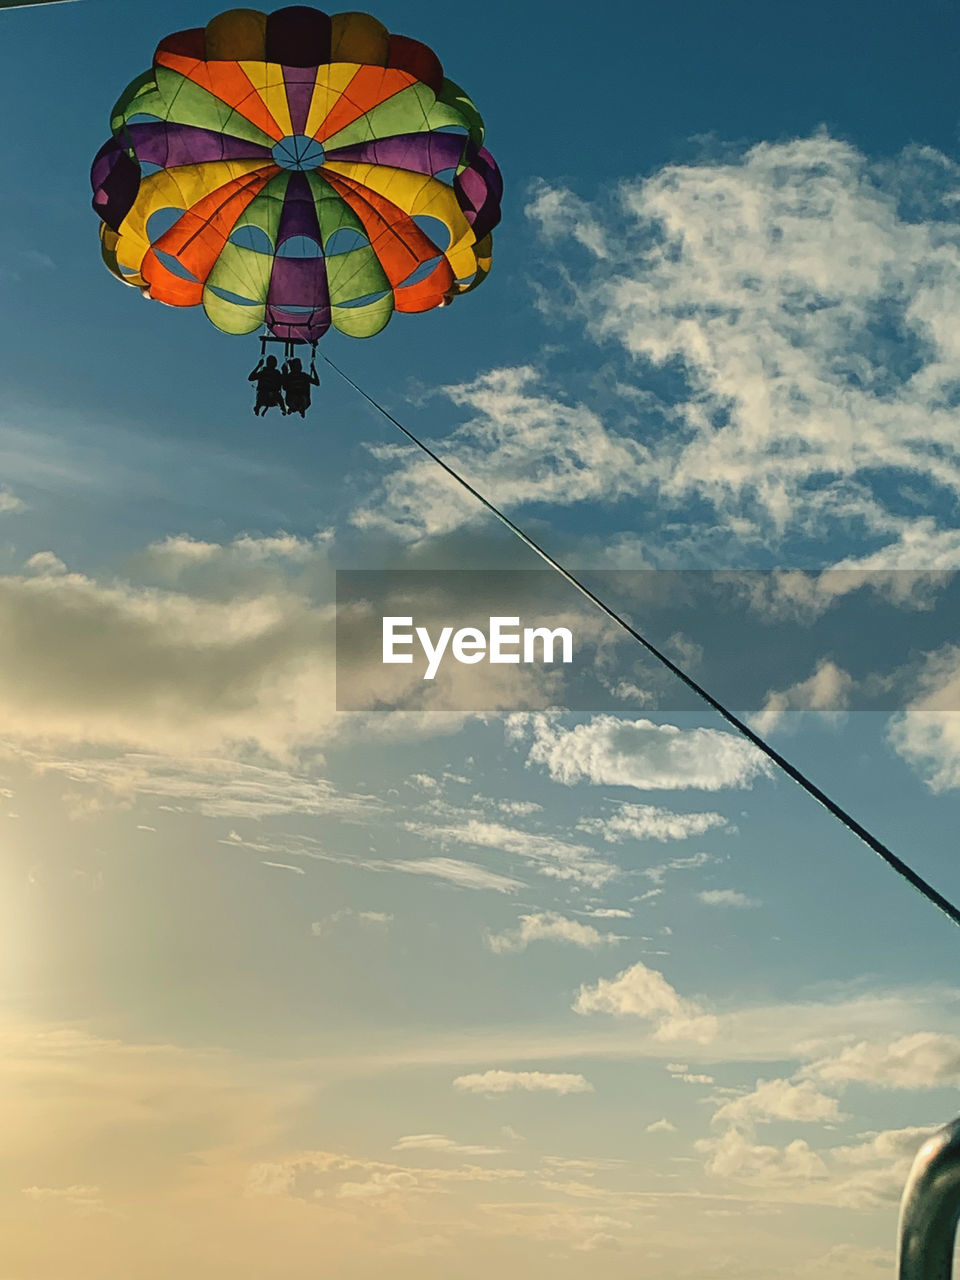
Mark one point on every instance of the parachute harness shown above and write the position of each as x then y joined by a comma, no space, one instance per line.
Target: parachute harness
878,847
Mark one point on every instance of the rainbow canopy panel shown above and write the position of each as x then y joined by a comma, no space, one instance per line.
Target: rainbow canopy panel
298,170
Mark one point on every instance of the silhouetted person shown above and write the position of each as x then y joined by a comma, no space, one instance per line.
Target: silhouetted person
269,382
297,384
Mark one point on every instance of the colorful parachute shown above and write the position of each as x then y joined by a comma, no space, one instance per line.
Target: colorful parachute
297,170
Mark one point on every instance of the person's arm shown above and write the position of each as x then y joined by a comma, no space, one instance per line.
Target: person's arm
252,377
313,374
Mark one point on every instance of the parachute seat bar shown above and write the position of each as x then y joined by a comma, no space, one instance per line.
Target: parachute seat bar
289,345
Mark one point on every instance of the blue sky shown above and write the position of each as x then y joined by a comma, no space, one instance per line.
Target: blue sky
437,991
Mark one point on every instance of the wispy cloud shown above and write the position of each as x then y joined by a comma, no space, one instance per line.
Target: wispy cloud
658,873
521,445
550,855
726,898
549,926
439,1142
523,1082
370,918
214,786
648,822
465,875
775,279
560,213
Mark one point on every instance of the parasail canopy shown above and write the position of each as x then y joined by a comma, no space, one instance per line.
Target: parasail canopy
297,170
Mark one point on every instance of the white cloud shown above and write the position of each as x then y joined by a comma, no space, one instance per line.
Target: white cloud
165,670
524,1082
861,1176
519,808
423,781
927,732
802,596
520,446
827,690
923,1060
813,319
890,1144
374,918
549,926
645,993
638,753
561,213
45,564
661,1126
10,504
178,554
84,1199
735,1154
726,898
779,1100
232,656
648,822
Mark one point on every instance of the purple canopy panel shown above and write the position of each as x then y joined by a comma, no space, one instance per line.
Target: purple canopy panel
479,190
299,216
299,328
169,145
300,83
116,181
420,152
298,283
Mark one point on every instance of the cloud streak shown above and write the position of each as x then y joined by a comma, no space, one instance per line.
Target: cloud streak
549,926
494,1082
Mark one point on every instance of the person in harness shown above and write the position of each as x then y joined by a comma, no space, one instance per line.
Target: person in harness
297,384
269,382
